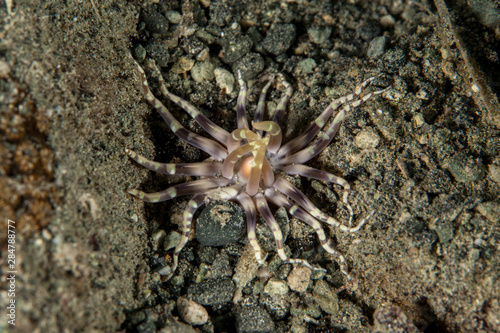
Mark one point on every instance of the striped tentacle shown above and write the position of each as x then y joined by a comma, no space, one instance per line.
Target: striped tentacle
259,112
324,139
315,126
295,194
241,112
202,169
296,211
266,214
251,213
196,202
281,108
214,130
209,146
195,186
302,215
309,172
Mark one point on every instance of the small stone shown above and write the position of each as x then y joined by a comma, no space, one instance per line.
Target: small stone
490,210
140,53
171,240
394,59
220,223
253,319
191,312
212,291
276,287
234,47
392,319
464,168
387,21
177,328
225,80
159,52
156,23
250,66
436,181
306,66
319,35
325,297
377,47
299,278
173,16
277,306
183,65
279,38
494,173
158,237
246,268
367,139
203,71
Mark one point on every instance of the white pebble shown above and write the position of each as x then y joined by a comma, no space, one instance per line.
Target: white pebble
367,139
191,312
225,80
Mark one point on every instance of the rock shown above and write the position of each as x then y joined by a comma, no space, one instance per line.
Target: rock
212,291
299,278
157,238
156,23
464,168
225,80
276,287
171,240
436,181
253,319
325,297
234,47
191,312
319,35
177,328
367,139
277,306
250,66
377,47
490,210
203,71
279,38
220,223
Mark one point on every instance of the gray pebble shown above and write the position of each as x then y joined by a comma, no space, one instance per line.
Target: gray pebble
212,291
203,71
234,47
377,47
436,181
173,16
464,168
156,23
325,297
277,306
250,66
220,223
253,319
319,35
279,38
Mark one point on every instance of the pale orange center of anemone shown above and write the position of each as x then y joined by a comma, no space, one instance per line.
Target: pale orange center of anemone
246,168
